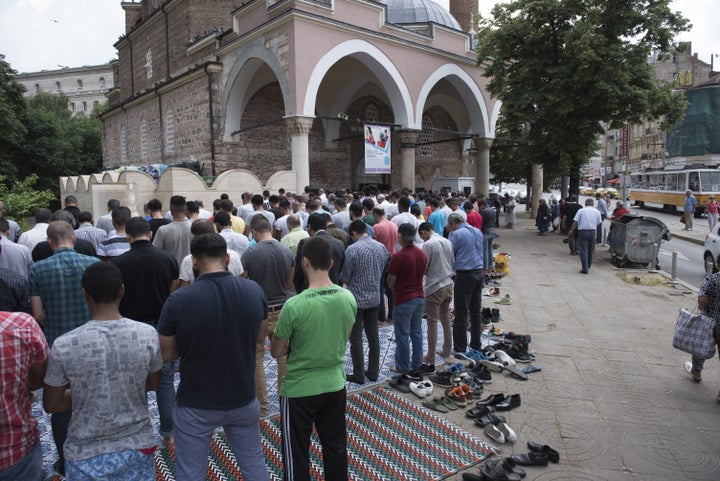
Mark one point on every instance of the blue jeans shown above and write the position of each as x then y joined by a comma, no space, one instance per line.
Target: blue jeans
165,394
193,432
28,468
408,328
468,299
586,247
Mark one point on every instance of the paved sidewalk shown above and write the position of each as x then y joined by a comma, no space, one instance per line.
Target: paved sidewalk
613,397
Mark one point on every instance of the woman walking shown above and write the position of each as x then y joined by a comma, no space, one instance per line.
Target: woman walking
712,212
542,220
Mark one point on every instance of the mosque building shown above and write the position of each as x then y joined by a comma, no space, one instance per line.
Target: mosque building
291,86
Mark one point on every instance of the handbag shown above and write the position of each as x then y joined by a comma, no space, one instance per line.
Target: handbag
694,334
682,218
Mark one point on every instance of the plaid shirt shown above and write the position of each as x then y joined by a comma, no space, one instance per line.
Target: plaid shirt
365,261
22,345
14,293
57,281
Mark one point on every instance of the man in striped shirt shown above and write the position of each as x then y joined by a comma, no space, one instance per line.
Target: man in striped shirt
365,261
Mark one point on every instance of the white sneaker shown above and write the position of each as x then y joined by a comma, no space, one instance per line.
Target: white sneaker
504,358
417,389
427,387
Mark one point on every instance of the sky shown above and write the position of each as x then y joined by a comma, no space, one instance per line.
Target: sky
50,34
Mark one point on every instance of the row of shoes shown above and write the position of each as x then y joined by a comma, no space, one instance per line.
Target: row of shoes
457,373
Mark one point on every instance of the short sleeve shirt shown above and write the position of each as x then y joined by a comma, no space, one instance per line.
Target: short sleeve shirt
22,344
408,266
268,264
106,365
711,288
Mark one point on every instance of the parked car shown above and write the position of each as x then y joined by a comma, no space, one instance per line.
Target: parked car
712,249
587,191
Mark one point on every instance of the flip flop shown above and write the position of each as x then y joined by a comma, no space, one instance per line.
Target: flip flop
447,403
436,405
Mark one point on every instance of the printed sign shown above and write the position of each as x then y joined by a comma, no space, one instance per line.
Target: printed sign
377,149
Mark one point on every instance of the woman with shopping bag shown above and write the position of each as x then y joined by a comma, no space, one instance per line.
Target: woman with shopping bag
709,305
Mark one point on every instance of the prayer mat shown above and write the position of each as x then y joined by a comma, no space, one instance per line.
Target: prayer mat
389,438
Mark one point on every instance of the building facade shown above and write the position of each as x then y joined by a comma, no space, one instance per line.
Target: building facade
289,85
84,87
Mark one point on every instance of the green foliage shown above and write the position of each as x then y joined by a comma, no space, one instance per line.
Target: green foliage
561,67
12,113
22,198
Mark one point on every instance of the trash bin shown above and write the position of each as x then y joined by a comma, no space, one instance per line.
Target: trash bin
633,239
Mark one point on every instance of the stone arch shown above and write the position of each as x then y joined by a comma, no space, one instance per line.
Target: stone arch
467,89
237,89
236,181
374,60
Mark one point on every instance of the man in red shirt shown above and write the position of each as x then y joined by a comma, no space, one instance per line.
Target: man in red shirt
23,359
405,277
473,216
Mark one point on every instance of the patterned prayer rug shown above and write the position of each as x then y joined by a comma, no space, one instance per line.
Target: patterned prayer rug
389,438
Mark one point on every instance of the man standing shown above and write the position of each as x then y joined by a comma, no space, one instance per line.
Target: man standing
316,226
386,234
295,234
57,303
405,277
23,358
14,257
488,231
272,266
438,291
105,221
175,236
215,340
365,262
468,245
312,332
689,210
102,370
571,208
87,232
15,231
585,223
436,217
150,275
117,243
236,242
341,219
603,209
281,228
38,233
157,219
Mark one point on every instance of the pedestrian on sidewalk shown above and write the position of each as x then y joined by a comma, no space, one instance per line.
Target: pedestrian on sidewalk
542,219
712,212
585,223
689,210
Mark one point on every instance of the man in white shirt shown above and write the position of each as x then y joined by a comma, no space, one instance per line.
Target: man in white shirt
38,233
15,230
585,222
281,227
14,257
235,242
105,221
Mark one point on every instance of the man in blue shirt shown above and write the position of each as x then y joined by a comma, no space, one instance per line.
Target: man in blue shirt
468,246
689,210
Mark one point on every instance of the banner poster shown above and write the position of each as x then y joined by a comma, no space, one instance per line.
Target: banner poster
377,149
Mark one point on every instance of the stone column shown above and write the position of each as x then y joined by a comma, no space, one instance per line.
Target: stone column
482,172
299,128
408,137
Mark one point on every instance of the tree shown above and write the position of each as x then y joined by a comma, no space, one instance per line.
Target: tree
12,114
58,144
21,198
561,67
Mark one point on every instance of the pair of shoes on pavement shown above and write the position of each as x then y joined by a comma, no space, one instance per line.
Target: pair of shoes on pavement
421,389
500,433
501,401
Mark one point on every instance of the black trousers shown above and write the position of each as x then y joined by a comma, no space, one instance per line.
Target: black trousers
468,306
60,423
298,415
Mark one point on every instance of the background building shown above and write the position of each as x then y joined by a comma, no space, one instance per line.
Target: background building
287,85
85,86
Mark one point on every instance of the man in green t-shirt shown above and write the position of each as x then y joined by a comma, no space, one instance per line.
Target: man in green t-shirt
313,331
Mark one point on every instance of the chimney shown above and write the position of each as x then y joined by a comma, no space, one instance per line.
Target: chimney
133,14
464,12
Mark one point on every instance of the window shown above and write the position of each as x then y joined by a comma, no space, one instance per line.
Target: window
72,106
84,105
148,64
371,114
143,141
426,136
170,130
79,84
37,88
58,87
123,145
102,82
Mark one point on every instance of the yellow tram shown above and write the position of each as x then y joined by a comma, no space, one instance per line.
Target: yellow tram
666,189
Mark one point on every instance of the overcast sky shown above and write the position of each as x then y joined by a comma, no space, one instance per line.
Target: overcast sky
49,34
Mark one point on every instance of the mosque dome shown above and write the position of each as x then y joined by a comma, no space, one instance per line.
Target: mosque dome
409,12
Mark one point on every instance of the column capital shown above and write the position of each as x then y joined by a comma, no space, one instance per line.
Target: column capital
483,143
299,125
408,137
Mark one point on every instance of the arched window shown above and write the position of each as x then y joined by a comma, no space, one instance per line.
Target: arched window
143,141
102,82
426,135
123,146
148,64
169,130
371,114
58,87
79,84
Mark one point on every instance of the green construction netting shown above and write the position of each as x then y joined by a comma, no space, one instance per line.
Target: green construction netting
699,132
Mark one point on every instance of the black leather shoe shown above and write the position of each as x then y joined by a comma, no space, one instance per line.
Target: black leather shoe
552,455
510,402
472,477
530,459
511,466
491,400
494,471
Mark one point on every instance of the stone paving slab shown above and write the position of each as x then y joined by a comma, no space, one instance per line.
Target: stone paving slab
612,397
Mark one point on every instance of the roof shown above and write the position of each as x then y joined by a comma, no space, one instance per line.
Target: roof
409,12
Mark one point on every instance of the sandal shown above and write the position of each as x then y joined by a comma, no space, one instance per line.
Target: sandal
447,403
436,405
